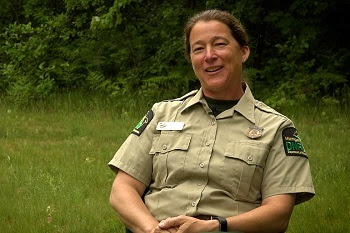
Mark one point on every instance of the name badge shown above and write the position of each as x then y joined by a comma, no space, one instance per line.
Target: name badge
170,125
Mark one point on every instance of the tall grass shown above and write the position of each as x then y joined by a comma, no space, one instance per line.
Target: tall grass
53,162
54,176
326,136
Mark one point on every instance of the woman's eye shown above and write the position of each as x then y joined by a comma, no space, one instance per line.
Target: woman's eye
220,44
196,50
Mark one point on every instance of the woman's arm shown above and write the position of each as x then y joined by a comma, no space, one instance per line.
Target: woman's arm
272,216
126,200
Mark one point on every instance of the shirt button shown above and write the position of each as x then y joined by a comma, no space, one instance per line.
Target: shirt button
164,147
213,123
250,158
207,144
199,184
193,204
201,165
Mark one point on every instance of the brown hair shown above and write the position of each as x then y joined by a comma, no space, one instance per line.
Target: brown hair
237,30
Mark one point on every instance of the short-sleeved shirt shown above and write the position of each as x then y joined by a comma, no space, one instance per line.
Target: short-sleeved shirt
223,166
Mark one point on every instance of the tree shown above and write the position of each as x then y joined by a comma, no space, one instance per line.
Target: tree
135,47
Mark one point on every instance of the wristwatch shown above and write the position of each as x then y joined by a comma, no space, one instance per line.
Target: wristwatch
222,222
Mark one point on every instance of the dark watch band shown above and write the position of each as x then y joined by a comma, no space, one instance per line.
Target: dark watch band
222,222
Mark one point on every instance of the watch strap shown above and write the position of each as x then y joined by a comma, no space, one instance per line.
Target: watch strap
222,222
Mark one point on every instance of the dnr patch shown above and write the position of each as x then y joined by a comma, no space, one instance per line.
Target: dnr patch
141,126
292,143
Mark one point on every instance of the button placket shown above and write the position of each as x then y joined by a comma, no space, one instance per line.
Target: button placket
203,165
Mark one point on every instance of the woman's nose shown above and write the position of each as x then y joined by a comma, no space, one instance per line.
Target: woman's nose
210,54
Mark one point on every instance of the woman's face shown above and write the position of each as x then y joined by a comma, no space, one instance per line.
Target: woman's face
217,59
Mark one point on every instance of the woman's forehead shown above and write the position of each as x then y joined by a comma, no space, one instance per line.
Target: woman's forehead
209,29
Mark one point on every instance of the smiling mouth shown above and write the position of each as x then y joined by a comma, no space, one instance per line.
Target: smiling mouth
213,69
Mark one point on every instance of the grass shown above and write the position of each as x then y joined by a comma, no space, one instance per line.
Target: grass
54,176
325,133
53,162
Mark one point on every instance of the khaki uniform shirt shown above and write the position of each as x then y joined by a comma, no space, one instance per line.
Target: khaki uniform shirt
222,166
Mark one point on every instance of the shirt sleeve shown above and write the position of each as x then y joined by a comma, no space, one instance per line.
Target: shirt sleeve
287,168
133,156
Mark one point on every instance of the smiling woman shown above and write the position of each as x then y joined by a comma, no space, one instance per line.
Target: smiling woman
217,60
215,159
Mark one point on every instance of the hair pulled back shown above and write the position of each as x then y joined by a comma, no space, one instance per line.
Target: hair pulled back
237,30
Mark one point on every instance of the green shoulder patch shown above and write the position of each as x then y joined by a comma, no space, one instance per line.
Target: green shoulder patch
292,143
141,126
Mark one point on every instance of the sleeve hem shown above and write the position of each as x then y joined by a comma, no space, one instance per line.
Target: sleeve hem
116,165
302,193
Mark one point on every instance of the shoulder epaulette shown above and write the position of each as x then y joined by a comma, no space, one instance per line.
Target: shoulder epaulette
192,93
262,106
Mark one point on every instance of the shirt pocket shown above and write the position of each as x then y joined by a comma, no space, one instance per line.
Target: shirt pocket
169,152
243,167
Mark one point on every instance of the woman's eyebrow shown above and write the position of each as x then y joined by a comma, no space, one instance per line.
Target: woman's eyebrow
198,42
214,38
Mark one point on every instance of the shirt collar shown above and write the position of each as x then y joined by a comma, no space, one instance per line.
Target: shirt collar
245,105
197,98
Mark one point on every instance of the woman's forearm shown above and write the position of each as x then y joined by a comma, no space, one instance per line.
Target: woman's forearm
272,216
126,200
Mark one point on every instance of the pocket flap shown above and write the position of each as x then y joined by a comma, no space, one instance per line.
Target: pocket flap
250,153
170,141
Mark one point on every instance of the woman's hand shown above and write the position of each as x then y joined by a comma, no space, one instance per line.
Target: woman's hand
186,224
169,230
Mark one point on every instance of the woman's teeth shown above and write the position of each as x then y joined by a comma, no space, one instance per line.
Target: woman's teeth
212,69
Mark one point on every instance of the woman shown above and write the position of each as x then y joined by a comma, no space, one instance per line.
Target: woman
215,159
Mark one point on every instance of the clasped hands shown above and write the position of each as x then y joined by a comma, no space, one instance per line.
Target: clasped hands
183,224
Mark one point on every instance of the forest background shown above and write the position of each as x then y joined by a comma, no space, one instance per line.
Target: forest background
77,75
133,49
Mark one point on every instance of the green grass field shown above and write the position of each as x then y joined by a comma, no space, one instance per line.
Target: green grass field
54,174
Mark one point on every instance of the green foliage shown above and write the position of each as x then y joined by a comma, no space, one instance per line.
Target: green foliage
150,60
304,65
113,17
27,73
135,47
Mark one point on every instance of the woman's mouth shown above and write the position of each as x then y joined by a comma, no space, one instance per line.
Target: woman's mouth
213,69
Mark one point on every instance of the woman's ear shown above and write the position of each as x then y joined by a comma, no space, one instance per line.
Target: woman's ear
245,53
